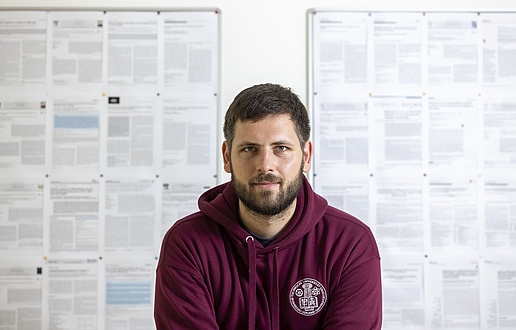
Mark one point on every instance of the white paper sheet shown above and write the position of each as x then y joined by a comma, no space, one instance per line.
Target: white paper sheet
498,50
21,291
177,201
71,217
453,52
452,135
131,122
498,292
23,44
499,122
398,206
190,56
403,293
499,215
341,132
397,47
452,295
71,294
75,132
453,214
397,130
129,288
188,134
130,216
22,132
132,49
76,53
340,55
21,216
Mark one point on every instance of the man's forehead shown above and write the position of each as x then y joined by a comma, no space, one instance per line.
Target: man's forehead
281,122
272,127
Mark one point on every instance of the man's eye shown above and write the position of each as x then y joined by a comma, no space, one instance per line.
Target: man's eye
281,148
248,149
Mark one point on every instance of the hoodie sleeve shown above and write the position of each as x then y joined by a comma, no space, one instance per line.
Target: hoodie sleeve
182,300
356,302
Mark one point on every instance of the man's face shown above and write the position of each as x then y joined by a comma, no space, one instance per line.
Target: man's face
266,163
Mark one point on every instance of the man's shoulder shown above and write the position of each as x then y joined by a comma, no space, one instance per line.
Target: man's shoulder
347,227
193,226
337,217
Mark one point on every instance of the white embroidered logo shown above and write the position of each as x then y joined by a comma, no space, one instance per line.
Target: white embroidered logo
308,296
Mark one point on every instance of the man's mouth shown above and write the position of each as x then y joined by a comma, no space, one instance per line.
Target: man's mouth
266,181
266,184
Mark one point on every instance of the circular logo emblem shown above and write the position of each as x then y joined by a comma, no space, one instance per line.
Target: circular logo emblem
308,296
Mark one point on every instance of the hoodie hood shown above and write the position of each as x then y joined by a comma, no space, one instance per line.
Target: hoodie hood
310,208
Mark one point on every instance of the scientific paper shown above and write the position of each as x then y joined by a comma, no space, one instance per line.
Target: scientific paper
21,291
453,214
71,294
452,134
21,216
341,130
75,132
340,55
76,55
129,297
188,129
452,292
397,129
130,216
397,52
23,44
498,292
130,131
403,292
72,219
453,53
177,201
132,49
190,55
22,132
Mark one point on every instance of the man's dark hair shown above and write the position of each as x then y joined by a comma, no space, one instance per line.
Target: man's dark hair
259,101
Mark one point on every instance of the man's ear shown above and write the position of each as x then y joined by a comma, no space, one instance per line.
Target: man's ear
226,157
307,156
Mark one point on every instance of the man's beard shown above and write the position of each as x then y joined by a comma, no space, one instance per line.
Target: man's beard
267,202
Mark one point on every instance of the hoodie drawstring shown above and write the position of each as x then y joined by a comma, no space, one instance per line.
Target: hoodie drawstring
275,293
251,306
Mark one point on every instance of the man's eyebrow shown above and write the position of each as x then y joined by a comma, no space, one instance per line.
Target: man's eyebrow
254,144
282,143
247,144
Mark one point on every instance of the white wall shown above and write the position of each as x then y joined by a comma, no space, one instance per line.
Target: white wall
266,40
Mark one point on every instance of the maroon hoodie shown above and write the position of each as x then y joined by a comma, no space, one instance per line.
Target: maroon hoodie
323,271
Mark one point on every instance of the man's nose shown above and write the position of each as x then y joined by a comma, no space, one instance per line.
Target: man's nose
265,161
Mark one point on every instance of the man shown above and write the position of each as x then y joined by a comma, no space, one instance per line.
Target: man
265,251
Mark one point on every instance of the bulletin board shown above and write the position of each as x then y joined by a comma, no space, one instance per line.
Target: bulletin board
108,134
414,130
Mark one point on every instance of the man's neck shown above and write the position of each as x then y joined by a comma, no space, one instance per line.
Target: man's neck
266,226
